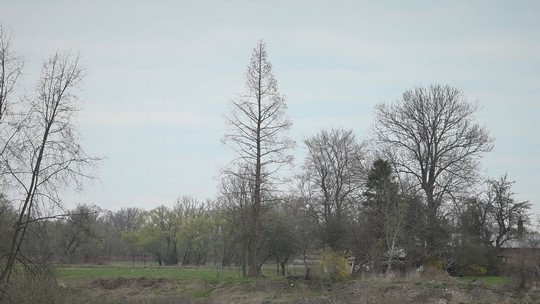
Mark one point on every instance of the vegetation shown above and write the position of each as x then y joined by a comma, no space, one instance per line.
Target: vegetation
173,285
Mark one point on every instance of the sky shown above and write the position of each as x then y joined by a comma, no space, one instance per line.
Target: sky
160,75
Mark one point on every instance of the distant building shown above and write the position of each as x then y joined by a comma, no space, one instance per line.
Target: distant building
526,246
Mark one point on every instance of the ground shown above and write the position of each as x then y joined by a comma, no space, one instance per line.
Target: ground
177,285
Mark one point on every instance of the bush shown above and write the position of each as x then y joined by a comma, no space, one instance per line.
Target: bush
35,286
473,260
475,270
333,266
522,266
434,269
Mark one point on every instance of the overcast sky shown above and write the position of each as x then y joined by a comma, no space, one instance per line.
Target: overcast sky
160,75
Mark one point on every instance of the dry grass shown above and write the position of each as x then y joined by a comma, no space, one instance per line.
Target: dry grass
295,290
37,287
44,288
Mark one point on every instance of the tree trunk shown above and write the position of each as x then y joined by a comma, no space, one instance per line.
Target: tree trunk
432,224
255,242
244,259
390,258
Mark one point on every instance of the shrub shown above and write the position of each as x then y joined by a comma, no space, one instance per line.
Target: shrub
333,266
475,270
36,286
522,266
434,269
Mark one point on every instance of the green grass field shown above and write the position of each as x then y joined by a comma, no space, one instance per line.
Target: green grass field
179,273
126,283
83,272
490,280
113,282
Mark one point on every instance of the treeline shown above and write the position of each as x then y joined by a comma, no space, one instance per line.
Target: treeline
377,219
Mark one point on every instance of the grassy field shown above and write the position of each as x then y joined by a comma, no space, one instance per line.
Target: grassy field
123,283
489,281
175,273
127,283
75,273
179,273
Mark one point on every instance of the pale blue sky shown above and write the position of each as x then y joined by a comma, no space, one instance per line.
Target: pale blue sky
160,74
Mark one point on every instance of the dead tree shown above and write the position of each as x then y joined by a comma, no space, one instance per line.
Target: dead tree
257,122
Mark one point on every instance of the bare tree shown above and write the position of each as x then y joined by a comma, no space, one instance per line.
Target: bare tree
11,66
80,233
506,213
258,120
10,69
45,155
284,237
430,134
235,203
332,180
126,219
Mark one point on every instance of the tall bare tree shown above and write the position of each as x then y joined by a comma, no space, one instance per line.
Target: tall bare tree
332,180
431,135
257,122
45,155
